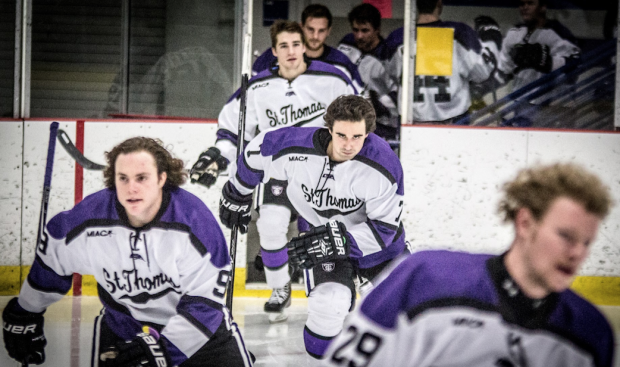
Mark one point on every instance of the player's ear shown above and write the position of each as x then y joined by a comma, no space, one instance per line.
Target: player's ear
162,179
524,222
273,51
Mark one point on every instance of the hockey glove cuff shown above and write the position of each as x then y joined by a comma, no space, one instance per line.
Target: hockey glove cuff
235,208
23,334
323,243
208,167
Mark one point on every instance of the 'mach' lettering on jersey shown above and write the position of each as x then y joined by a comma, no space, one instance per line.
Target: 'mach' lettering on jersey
260,85
324,199
289,115
469,322
297,159
102,233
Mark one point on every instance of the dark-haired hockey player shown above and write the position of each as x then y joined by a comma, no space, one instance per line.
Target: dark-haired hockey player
296,92
160,261
316,22
442,308
347,184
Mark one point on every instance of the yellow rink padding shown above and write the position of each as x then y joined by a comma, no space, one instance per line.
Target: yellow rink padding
604,291
434,51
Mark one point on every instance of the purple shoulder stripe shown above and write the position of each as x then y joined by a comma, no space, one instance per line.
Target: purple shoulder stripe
264,61
287,137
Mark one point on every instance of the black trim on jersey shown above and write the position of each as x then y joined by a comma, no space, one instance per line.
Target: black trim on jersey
378,238
97,222
451,302
198,245
295,150
109,302
325,73
193,320
302,123
390,226
333,212
144,297
66,279
369,162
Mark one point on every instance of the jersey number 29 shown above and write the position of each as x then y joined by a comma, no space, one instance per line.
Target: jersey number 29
364,347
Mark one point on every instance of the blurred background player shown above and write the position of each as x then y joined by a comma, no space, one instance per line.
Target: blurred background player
442,308
366,48
535,47
347,184
316,22
445,99
160,261
295,92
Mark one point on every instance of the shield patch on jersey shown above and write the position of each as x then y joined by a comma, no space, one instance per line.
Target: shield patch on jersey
328,267
277,190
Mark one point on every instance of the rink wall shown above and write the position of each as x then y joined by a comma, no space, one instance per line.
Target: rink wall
452,179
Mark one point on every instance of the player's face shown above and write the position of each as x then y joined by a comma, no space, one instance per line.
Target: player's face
289,51
366,36
138,186
316,31
556,245
530,10
347,140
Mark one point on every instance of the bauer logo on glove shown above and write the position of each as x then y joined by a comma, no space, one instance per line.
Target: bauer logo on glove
323,243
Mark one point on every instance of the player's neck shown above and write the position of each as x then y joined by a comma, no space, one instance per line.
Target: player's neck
427,18
290,74
516,266
315,54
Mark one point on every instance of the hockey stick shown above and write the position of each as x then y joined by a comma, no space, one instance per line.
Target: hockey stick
86,163
47,184
234,230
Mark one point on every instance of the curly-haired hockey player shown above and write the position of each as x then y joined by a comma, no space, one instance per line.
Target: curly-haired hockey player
442,308
161,265
347,184
295,92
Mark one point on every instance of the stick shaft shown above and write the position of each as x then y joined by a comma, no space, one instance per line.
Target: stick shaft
47,184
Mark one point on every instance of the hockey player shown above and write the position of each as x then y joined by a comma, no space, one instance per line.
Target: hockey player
296,92
535,47
316,22
160,261
442,308
445,99
367,49
348,184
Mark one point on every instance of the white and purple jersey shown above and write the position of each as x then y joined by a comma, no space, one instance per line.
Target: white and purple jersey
439,98
562,47
274,102
329,56
442,308
170,274
365,193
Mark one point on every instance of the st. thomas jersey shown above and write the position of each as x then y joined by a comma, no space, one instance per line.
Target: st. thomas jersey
365,193
439,98
329,56
441,308
170,274
562,47
274,102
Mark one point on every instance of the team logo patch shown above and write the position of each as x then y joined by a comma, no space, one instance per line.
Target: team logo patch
277,190
328,267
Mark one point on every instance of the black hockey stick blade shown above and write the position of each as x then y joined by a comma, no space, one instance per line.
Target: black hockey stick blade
86,163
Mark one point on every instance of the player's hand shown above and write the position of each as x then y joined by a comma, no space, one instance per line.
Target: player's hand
532,56
23,334
235,208
320,244
208,167
145,350
488,30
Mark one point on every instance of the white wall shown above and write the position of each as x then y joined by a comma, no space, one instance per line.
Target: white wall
452,180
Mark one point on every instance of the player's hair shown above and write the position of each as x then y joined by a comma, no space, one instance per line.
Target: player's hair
280,26
164,161
426,6
351,108
537,187
316,11
366,13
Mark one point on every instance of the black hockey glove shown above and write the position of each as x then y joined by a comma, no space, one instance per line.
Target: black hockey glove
532,56
380,109
320,244
235,208
145,350
23,334
488,30
208,167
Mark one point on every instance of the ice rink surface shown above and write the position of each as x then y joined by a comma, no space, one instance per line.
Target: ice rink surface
69,327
